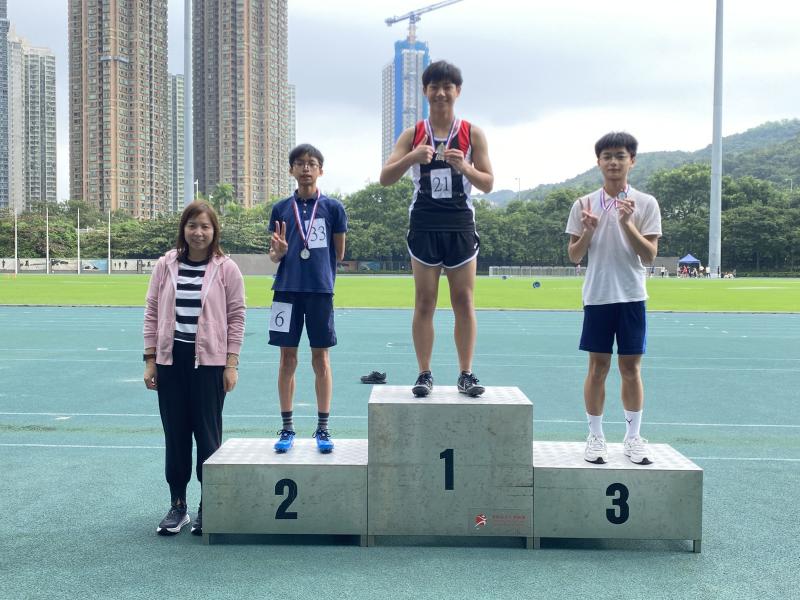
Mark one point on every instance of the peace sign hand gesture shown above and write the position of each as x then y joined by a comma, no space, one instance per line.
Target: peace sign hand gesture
588,220
278,245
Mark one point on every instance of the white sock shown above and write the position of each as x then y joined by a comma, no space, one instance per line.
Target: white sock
633,420
596,425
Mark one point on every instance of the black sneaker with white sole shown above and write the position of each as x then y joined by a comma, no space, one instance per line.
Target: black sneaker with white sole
424,384
174,520
197,524
468,384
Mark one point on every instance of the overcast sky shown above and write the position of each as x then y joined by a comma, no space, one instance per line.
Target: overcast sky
544,79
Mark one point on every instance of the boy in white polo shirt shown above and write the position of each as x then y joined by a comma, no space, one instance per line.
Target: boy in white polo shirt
619,228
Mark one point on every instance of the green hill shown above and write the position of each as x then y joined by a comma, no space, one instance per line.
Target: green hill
770,151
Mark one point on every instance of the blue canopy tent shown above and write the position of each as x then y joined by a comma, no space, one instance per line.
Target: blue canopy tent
689,260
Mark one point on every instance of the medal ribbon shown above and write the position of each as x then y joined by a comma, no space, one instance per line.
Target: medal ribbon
300,229
453,129
605,203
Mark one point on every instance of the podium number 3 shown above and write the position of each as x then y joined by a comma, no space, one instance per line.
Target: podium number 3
619,493
279,489
447,455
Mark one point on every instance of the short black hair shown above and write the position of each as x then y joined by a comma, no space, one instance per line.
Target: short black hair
304,149
616,139
441,70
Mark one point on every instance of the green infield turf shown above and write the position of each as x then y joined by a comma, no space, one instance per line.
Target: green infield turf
683,295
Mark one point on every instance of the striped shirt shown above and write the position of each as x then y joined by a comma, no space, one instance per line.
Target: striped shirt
187,299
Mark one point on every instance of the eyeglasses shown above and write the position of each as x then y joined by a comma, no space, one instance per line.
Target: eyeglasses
301,164
619,156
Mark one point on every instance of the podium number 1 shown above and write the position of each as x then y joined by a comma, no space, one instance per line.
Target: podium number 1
618,517
447,455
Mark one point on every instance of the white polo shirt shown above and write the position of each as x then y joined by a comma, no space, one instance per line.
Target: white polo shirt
615,272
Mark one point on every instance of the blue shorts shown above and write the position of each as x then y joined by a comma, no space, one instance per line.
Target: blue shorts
290,310
624,320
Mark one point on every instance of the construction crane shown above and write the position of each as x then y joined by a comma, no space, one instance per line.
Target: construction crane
414,16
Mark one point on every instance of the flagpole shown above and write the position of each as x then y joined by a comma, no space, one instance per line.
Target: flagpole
79,241
16,249
109,243
47,237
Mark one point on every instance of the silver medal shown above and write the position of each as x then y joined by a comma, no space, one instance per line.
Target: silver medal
440,152
622,195
305,253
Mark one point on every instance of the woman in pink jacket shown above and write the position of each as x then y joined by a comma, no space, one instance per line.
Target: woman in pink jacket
193,331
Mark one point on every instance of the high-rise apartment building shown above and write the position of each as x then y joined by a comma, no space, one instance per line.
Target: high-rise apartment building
240,97
4,139
292,129
403,102
31,124
118,104
176,143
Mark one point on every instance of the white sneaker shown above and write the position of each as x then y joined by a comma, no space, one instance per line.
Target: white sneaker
637,450
595,451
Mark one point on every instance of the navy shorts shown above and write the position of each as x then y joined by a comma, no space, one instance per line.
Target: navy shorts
624,320
449,249
290,310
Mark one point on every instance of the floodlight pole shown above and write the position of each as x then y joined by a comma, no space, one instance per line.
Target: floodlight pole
47,239
79,241
188,122
715,209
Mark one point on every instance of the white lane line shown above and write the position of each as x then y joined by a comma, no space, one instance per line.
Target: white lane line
745,458
82,446
109,447
536,421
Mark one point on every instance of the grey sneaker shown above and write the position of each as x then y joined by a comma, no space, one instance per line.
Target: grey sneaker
174,520
424,384
197,524
468,384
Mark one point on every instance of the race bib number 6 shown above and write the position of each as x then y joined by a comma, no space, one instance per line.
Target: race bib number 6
280,317
442,183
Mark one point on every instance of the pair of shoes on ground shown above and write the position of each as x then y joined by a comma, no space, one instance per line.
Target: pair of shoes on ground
374,377
178,517
467,384
286,440
635,448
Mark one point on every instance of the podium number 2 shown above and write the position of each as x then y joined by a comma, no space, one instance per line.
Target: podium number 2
619,493
447,455
279,489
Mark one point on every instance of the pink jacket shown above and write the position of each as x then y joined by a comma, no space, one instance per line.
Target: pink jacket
220,327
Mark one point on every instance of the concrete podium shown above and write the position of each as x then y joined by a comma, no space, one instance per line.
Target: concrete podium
576,499
450,465
248,488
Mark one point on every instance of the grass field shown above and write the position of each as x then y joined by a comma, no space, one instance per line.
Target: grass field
683,295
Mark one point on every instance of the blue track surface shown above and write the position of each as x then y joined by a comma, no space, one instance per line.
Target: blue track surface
82,459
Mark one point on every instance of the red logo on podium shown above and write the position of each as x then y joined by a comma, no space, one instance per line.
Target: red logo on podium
480,521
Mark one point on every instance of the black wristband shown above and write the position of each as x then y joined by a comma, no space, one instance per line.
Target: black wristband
146,356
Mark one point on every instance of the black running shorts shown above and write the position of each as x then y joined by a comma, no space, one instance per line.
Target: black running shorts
449,249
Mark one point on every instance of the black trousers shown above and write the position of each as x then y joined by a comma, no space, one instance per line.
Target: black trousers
190,401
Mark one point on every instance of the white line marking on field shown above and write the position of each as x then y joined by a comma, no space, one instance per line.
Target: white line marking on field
62,418
744,458
108,447
82,446
548,421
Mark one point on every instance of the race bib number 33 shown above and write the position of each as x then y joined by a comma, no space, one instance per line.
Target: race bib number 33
317,234
442,183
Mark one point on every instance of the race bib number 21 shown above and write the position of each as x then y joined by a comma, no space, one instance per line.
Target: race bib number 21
441,183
